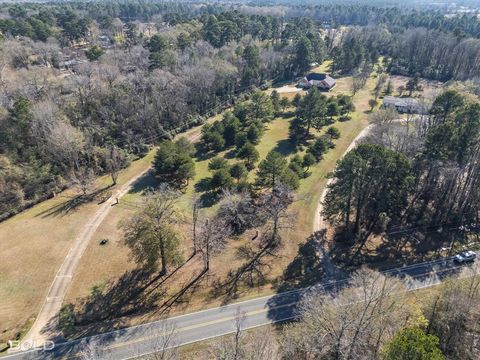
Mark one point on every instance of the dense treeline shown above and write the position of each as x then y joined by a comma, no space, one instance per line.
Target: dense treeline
41,21
60,129
392,17
429,53
427,177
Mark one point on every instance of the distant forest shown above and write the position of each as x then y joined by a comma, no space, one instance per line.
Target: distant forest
88,86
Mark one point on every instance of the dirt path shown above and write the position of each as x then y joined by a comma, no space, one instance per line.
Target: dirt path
47,320
46,323
318,223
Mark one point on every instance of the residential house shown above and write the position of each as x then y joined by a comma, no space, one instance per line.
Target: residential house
405,105
322,81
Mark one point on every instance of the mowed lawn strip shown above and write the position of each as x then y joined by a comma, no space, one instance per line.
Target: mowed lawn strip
101,264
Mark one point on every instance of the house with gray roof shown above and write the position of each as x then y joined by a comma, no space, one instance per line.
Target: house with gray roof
405,105
321,81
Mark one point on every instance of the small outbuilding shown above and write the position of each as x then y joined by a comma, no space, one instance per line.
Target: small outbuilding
322,81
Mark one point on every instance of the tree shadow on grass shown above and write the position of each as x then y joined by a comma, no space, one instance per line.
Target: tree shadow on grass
100,195
413,247
203,185
136,292
284,147
230,154
103,309
209,198
120,298
147,181
305,269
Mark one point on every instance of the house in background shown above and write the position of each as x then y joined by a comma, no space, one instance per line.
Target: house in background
322,81
405,105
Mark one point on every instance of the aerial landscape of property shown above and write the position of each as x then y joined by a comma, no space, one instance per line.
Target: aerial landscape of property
240,180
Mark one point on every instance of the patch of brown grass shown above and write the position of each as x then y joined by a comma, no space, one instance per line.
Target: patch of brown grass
115,256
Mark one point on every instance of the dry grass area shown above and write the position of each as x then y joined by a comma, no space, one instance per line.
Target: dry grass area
35,244
102,265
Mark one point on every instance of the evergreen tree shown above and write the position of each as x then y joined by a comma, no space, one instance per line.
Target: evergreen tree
284,102
304,54
273,170
332,109
413,344
275,97
251,56
254,134
173,164
372,184
308,161
150,233
248,153
94,52
319,147
260,107
221,179
297,100
231,128
238,171
333,132
312,111
217,163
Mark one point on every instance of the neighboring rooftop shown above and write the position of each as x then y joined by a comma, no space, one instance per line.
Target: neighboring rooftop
405,105
321,77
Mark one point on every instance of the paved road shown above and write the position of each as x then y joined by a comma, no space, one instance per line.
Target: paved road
144,339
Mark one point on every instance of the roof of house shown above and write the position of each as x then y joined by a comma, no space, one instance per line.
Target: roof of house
403,102
321,77
317,79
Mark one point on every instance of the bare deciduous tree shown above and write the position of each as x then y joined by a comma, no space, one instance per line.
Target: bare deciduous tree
454,315
212,237
165,343
259,344
114,163
83,178
353,324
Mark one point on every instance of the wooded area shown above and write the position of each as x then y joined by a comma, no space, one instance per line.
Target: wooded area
87,89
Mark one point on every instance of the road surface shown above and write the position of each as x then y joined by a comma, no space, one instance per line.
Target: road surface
147,338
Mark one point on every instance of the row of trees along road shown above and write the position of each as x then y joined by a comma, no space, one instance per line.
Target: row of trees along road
424,173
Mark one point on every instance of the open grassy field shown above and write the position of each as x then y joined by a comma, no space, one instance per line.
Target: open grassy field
34,244
104,265
36,241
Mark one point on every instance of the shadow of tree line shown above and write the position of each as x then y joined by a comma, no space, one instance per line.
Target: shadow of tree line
136,292
71,204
